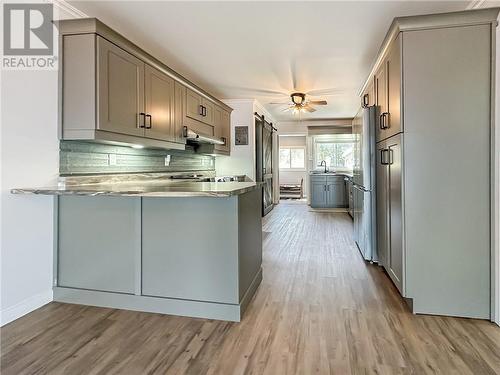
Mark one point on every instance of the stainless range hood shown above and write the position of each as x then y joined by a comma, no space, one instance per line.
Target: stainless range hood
192,136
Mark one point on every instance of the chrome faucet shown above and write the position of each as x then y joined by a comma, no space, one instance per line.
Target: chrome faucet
323,161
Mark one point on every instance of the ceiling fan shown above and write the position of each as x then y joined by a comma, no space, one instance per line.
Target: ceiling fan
299,103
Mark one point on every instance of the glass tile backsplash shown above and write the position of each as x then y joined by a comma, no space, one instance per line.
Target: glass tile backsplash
77,157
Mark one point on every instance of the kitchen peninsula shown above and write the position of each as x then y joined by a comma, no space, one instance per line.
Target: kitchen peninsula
157,245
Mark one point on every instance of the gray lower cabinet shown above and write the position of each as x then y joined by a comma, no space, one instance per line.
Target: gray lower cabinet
328,191
178,262
98,243
192,256
318,192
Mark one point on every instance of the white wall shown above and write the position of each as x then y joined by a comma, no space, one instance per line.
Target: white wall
242,159
29,157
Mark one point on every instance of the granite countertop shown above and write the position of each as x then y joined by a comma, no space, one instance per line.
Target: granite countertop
143,188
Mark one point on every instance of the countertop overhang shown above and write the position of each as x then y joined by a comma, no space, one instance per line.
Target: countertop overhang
147,189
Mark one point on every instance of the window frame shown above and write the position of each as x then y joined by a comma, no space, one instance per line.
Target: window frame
290,169
333,139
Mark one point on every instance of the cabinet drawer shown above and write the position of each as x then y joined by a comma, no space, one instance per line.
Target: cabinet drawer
318,179
199,127
335,179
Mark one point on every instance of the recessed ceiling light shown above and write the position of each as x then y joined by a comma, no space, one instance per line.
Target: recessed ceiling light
137,146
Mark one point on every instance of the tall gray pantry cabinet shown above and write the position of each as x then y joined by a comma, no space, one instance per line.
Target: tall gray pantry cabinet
432,85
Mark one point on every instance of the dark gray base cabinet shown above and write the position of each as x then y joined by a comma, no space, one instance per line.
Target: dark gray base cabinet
328,191
191,256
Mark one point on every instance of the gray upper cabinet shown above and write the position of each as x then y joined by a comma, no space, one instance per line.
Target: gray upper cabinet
369,98
381,98
120,81
222,124
194,108
199,108
113,91
179,111
208,111
160,105
393,122
388,93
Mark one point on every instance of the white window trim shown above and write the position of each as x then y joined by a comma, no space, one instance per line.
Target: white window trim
325,139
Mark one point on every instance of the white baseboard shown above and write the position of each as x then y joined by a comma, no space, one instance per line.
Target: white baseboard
24,307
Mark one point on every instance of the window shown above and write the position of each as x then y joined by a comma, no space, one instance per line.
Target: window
336,150
292,157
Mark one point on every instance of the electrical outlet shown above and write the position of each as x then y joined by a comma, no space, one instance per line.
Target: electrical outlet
111,159
167,160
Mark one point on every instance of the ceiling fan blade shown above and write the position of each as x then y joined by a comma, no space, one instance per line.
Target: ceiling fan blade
318,102
279,103
309,109
253,91
293,72
322,92
288,108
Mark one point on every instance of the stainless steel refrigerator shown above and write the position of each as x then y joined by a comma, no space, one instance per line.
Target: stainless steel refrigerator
364,126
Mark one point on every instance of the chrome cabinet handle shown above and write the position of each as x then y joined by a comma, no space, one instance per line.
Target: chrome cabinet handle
200,110
150,122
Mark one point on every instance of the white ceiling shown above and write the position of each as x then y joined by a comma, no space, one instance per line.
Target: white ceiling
241,49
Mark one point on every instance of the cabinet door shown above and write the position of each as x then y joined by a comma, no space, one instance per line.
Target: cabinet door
335,192
393,69
120,90
382,176
193,105
396,257
99,243
179,112
159,97
226,130
369,98
318,194
381,98
222,128
209,108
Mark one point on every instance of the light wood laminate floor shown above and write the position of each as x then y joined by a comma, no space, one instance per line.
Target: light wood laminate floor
320,309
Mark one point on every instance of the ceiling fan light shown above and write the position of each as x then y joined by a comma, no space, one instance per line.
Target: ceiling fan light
297,98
